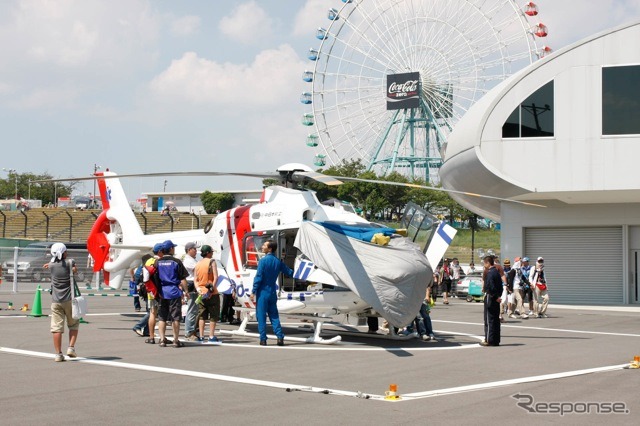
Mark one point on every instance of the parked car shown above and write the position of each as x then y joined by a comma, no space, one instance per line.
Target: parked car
462,287
34,256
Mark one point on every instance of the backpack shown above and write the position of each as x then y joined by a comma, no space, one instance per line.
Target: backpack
137,275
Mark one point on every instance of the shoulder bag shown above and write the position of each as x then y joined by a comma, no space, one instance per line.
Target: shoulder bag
78,303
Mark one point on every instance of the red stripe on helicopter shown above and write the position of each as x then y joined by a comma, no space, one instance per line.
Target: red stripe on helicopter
239,226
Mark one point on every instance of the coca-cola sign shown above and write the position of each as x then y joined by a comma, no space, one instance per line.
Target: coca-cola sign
403,90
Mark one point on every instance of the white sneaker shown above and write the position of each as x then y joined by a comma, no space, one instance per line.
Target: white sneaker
530,313
545,316
524,316
71,352
59,358
432,337
426,338
511,316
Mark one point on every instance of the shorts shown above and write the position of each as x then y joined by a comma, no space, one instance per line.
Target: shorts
60,312
209,309
446,286
170,310
154,305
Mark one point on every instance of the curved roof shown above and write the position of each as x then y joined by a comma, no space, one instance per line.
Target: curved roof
577,164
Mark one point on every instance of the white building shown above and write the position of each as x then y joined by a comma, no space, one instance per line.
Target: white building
190,201
564,133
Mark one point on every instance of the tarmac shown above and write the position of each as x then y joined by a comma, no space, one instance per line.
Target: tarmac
572,367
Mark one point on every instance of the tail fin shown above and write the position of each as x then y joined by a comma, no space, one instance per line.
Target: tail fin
116,225
439,243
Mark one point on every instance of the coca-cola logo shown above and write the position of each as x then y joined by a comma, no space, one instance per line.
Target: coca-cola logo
402,90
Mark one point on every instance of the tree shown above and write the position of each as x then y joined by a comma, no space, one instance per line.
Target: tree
45,191
216,202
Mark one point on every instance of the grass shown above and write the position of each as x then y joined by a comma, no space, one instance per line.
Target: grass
461,245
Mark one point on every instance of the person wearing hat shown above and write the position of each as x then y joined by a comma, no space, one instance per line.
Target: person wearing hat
61,295
152,284
517,303
206,281
539,286
265,294
507,288
173,287
189,261
527,291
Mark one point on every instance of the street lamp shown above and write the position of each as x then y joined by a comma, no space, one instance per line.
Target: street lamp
95,170
15,176
165,186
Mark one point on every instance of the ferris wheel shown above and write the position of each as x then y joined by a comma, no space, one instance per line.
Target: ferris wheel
390,78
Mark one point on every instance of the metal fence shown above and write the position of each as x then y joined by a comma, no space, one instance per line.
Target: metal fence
25,265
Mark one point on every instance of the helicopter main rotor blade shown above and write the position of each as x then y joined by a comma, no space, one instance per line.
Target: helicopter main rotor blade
161,174
319,177
449,191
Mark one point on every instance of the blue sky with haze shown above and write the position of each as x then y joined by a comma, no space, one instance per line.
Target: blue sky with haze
148,86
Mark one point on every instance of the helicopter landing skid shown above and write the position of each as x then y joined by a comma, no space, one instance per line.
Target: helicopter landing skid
315,338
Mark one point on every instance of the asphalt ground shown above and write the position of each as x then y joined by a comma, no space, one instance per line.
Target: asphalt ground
578,355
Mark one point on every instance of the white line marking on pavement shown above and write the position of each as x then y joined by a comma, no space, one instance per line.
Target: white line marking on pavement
481,386
563,330
313,389
199,374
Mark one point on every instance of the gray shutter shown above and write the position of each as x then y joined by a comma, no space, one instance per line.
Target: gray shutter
583,265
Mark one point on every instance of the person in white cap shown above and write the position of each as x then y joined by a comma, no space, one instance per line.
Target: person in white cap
61,295
539,287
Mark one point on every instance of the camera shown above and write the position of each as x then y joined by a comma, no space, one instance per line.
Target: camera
209,287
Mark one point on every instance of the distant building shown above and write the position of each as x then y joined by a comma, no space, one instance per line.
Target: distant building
190,201
565,133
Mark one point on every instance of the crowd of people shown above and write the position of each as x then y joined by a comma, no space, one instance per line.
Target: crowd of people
166,283
506,289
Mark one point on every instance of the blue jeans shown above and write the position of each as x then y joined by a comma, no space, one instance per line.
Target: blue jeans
192,314
143,324
267,305
422,322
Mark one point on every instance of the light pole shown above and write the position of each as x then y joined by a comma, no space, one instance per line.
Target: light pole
95,170
165,186
15,176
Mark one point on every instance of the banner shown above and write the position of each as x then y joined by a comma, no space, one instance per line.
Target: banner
403,91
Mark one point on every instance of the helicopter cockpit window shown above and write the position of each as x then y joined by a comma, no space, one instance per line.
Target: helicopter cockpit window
253,248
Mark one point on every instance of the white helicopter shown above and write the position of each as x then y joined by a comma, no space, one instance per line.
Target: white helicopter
337,269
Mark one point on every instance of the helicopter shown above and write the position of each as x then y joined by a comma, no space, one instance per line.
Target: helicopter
342,263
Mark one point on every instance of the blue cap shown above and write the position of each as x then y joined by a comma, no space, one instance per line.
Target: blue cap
157,248
168,245
525,259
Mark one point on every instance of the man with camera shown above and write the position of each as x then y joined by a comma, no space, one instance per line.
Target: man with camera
206,279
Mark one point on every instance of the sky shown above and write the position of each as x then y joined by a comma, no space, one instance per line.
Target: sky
194,85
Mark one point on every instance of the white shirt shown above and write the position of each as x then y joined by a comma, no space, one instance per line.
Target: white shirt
189,263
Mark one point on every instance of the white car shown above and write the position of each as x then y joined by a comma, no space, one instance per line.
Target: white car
462,286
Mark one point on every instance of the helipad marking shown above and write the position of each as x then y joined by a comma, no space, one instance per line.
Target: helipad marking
563,330
199,374
313,389
509,382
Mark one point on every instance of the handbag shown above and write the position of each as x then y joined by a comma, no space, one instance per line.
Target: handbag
78,303
541,286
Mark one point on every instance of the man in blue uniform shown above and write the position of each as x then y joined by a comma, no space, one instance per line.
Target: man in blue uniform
266,293
492,299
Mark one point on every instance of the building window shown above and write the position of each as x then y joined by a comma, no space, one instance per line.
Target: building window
533,118
621,100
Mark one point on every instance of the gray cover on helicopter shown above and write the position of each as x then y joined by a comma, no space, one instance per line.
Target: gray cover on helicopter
392,279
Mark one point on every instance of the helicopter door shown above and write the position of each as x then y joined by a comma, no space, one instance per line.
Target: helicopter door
288,253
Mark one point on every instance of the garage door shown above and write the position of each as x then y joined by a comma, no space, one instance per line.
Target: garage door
584,265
